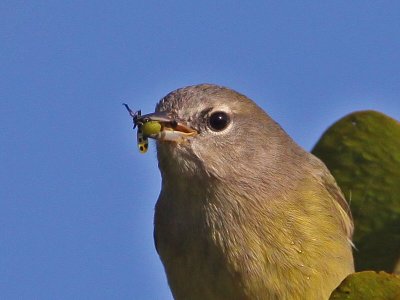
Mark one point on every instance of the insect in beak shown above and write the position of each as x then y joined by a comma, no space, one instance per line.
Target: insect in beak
160,126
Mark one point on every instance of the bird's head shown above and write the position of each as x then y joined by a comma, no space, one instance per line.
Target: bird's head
216,132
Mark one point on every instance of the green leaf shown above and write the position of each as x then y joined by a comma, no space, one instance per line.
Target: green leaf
362,150
368,285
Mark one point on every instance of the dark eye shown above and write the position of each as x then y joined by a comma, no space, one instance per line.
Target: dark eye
218,121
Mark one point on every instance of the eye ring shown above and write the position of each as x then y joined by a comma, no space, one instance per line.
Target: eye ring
218,121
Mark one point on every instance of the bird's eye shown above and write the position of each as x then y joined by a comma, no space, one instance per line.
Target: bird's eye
218,121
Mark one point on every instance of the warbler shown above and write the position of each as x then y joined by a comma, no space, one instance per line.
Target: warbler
244,212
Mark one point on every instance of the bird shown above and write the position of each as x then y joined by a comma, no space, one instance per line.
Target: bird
244,212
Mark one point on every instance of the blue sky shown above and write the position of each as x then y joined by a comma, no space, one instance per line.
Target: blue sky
76,197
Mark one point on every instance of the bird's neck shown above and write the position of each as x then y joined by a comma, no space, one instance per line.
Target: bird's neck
243,240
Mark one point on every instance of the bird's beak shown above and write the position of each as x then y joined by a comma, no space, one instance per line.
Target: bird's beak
169,129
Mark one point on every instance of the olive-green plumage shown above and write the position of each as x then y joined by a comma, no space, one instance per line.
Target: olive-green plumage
244,212
362,150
